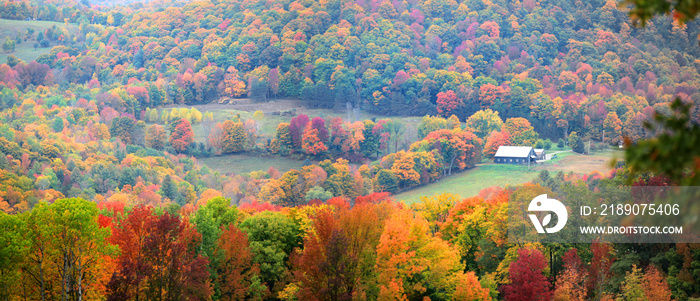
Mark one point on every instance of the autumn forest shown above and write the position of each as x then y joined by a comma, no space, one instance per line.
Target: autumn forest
116,118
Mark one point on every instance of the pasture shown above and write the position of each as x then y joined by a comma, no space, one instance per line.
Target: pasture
572,162
268,125
25,50
243,164
468,183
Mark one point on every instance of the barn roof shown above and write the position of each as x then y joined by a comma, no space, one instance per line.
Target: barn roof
514,151
539,150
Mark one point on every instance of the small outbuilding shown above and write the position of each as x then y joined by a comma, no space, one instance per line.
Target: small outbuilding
541,154
515,155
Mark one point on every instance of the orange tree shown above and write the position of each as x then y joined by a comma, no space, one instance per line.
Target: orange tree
460,149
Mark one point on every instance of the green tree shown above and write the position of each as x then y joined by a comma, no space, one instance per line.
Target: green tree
13,61
222,211
9,45
318,193
483,122
385,180
58,124
576,143
539,144
37,259
123,128
632,286
168,188
13,248
272,237
370,145
396,128
208,227
430,124
209,220
66,234
81,244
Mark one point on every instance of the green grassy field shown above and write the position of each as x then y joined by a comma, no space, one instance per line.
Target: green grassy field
470,182
25,51
243,164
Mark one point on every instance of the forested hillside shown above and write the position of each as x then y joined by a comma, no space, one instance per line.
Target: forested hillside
565,66
102,195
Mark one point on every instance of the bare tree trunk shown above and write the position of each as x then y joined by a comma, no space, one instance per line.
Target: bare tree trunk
64,288
79,262
41,276
24,291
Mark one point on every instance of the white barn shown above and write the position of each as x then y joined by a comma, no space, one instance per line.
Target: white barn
515,155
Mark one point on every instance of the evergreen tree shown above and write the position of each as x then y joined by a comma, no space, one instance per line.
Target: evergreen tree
138,59
386,181
58,124
576,143
168,188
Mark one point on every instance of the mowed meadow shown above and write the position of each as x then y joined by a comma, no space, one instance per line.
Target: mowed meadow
25,49
470,182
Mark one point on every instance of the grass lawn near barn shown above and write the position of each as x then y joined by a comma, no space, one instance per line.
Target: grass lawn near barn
468,183
488,174
25,51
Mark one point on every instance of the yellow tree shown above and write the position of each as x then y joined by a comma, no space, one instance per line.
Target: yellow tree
435,209
403,168
412,264
612,128
483,122
454,121
271,192
521,131
67,251
233,137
